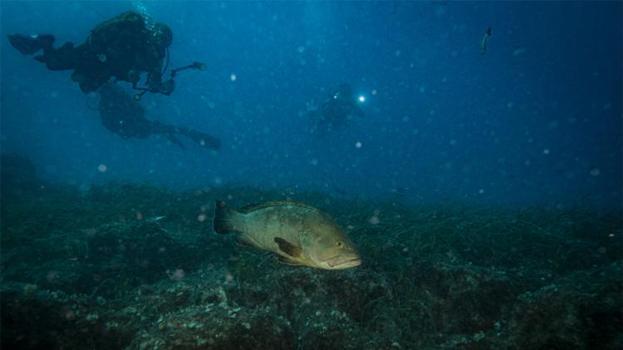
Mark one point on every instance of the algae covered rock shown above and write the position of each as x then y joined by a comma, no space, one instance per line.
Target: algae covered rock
581,311
142,250
97,275
34,318
216,326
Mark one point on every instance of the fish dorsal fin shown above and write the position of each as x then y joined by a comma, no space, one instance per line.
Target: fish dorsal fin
253,207
288,248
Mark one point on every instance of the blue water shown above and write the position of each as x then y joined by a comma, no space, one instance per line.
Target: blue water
535,120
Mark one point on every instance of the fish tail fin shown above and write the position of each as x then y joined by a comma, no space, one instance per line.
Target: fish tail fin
226,219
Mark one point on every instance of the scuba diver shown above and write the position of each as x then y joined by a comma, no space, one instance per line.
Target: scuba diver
123,115
122,47
484,42
339,108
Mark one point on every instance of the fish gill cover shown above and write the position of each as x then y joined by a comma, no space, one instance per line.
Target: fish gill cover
472,153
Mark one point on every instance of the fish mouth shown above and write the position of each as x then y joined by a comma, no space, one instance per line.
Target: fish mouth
343,262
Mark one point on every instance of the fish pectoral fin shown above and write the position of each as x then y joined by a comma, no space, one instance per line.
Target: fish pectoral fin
287,261
288,248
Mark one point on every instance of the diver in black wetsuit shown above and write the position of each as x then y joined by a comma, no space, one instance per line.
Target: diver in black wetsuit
337,110
122,47
123,115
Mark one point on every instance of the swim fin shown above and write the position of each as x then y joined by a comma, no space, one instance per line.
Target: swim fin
28,45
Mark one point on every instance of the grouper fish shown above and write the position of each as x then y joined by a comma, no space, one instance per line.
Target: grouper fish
298,233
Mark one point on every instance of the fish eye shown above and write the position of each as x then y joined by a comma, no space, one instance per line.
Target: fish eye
340,244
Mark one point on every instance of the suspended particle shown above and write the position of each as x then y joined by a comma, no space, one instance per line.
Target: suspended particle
176,275
374,220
